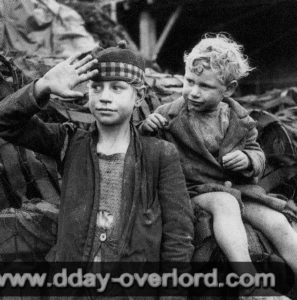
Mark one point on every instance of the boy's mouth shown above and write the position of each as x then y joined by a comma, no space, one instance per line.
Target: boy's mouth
105,109
195,102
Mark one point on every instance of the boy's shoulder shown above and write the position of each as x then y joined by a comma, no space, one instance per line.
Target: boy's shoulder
155,146
171,109
240,111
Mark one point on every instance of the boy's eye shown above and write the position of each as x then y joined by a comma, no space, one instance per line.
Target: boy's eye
190,81
205,86
96,88
117,87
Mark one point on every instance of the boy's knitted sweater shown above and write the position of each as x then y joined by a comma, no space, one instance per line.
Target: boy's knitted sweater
108,218
211,126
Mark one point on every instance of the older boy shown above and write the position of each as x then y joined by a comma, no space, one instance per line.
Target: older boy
216,140
124,196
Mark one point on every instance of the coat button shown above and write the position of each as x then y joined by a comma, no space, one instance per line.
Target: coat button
102,237
148,217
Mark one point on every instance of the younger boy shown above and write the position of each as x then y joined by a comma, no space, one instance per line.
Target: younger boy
216,140
124,196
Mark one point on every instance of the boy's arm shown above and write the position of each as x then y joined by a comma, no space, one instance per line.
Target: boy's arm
177,218
249,161
154,123
18,124
255,154
177,214
17,121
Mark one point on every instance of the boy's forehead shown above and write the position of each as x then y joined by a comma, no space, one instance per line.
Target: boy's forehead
206,75
191,72
94,82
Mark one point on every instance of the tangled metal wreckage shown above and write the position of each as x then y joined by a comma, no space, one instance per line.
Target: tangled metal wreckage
45,34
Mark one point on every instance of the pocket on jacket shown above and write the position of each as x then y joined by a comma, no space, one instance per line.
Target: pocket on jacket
152,214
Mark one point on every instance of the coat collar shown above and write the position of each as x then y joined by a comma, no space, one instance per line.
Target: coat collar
181,126
176,106
239,125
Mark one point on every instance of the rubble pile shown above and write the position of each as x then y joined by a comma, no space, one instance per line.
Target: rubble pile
97,22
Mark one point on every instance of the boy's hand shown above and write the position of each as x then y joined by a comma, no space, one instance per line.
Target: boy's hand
236,161
61,79
153,122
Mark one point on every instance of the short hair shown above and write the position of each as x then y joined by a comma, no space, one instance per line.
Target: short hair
220,53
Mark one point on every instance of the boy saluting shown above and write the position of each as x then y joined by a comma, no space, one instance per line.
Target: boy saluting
217,144
124,196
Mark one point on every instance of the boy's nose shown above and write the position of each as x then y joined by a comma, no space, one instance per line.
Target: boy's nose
105,96
195,92
105,100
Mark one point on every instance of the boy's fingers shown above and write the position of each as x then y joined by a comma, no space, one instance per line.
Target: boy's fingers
152,124
87,76
86,67
231,155
232,166
74,94
148,128
156,121
228,158
237,168
73,58
161,119
232,161
83,61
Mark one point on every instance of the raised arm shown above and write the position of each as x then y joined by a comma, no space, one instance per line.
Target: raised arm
17,121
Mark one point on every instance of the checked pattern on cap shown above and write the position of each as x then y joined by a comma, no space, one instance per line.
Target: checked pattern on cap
119,70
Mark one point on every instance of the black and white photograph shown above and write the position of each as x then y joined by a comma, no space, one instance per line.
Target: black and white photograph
148,149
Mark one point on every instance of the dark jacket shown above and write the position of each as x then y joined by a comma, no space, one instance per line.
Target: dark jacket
157,221
199,165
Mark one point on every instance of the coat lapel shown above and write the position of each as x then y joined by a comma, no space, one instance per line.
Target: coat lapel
181,128
239,125
133,188
236,131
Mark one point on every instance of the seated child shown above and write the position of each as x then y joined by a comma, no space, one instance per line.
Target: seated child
216,140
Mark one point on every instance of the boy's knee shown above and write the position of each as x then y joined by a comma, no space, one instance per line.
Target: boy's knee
218,203
226,203
278,224
268,220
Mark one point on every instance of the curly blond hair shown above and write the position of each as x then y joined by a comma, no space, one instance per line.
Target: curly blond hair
220,53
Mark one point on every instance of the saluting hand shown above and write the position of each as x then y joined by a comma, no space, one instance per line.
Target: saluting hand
236,161
61,79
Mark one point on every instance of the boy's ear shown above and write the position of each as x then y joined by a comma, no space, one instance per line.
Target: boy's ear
139,96
230,89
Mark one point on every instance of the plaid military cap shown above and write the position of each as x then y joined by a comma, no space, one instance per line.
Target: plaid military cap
119,63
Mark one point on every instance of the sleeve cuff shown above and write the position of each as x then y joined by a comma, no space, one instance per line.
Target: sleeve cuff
39,103
250,171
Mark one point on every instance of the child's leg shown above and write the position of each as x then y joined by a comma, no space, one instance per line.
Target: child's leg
230,233
228,227
276,228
